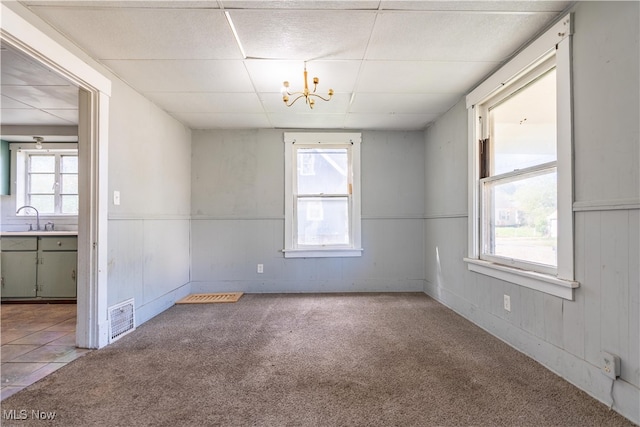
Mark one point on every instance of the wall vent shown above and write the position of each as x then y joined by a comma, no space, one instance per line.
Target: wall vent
122,319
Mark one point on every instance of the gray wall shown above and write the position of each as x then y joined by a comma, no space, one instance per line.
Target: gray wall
237,197
566,336
150,164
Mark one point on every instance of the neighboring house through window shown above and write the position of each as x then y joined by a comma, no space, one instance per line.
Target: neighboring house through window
521,215
322,188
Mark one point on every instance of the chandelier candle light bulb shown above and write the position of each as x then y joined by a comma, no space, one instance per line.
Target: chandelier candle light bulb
306,94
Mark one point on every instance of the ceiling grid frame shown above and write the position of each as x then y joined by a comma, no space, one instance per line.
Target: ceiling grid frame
182,55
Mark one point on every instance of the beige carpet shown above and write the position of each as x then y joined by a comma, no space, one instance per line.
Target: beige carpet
309,360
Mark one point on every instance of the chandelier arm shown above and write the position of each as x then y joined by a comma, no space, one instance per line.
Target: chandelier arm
320,96
292,102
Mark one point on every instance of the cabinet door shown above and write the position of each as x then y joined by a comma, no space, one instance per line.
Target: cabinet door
57,274
19,274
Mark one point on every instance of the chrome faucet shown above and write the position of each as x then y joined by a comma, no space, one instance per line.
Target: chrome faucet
37,215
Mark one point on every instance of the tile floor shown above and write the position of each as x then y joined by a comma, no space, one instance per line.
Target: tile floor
36,340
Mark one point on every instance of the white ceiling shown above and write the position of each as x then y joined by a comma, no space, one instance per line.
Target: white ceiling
392,64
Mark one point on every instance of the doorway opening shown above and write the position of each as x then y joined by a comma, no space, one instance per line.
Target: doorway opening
93,90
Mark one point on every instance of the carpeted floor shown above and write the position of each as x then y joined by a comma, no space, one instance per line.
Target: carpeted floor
309,360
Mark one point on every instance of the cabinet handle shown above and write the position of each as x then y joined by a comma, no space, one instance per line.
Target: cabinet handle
73,274
2,280
59,243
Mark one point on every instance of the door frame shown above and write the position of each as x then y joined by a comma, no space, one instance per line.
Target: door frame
16,30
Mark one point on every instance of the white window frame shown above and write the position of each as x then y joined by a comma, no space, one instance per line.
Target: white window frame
482,111
294,140
20,157
554,42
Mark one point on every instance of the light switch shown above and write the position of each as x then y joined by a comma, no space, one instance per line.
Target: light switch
116,198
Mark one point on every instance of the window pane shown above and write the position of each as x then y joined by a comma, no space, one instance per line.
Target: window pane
69,164
523,127
44,204
70,204
323,171
323,221
69,184
42,183
42,163
521,218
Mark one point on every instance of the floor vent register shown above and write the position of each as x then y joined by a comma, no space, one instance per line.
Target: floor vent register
121,319
210,298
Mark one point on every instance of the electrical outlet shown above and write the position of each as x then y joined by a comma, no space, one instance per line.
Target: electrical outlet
260,268
116,198
507,302
610,365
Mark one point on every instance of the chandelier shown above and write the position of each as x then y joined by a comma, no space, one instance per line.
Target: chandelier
309,96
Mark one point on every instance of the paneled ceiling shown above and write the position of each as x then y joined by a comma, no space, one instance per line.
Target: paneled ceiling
392,64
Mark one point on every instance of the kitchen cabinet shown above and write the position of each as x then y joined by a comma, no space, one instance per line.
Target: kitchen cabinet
58,259
39,267
19,257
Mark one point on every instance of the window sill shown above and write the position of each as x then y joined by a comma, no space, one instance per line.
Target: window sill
321,253
529,279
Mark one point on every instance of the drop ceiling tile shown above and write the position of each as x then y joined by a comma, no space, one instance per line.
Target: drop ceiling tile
338,104
403,103
7,102
206,102
19,70
307,120
390,121
511,6
223,120
182,4
29,117
421,76
70,116
303,34
301,4
126,33
183,76
452,36
267,76
44,97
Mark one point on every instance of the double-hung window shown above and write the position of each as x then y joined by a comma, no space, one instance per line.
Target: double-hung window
47,179
322,188
518,182
521,213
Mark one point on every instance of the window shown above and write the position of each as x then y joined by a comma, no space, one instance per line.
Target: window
322,189
521,214
518,194
47,179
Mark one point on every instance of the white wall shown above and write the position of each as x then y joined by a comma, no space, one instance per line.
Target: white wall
238,217
566,336
149,164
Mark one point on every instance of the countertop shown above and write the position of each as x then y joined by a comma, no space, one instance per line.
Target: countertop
38,233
